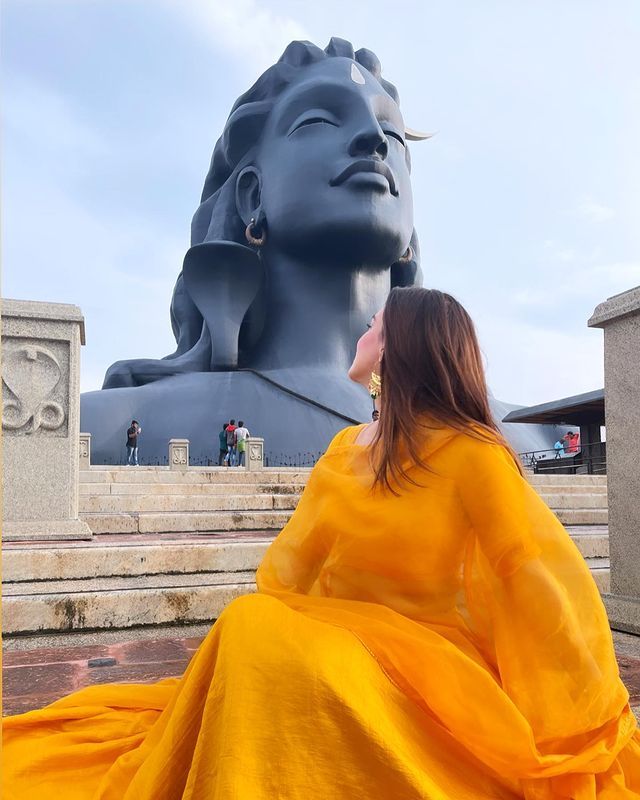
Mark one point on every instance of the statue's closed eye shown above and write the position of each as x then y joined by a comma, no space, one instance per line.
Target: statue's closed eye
313,121
397,136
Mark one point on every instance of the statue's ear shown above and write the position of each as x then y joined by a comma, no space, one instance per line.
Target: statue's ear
248,194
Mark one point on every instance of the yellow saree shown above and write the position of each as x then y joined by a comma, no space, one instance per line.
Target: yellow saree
445,644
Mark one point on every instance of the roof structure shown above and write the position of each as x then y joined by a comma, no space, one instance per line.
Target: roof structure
581,409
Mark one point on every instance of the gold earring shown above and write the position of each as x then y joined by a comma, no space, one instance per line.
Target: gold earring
250,234
375,386
407,256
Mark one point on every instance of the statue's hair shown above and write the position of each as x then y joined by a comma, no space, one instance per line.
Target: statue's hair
217,218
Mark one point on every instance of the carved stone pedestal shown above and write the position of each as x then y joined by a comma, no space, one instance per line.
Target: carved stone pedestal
619,316
254,455
178,453
85,450
41,420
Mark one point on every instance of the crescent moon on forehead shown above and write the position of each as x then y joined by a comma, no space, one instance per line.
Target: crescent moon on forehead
356,75
417,136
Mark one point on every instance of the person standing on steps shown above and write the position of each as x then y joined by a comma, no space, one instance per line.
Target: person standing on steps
230,458
242,434
132,443
222,438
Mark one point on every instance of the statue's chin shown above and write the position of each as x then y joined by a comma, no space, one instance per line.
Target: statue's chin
367,244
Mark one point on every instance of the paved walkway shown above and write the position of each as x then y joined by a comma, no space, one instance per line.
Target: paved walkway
34,678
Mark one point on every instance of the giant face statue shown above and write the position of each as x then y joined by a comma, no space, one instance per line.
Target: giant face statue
332,170
315,154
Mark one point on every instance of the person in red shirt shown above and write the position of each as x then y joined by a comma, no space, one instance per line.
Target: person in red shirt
231,457
573,441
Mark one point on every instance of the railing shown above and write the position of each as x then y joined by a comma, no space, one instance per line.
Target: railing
590,459
301,460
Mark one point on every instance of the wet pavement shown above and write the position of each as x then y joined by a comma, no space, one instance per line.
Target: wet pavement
35,678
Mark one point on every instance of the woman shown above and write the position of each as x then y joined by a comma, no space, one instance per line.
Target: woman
424,628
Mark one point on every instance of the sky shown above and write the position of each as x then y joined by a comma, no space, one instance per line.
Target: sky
526,200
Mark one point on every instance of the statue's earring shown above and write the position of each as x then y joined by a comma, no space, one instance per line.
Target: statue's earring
375,386
407,256
254,235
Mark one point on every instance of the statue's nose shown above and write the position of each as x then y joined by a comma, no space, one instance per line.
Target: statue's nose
370,141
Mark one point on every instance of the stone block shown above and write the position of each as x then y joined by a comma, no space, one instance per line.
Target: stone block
118,609
623,612
22,564
619,316
178,454
41,420
85,450
254,458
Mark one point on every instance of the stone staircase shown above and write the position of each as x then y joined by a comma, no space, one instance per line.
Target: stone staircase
157,500
173,548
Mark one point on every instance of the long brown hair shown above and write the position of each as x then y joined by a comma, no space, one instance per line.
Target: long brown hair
432,376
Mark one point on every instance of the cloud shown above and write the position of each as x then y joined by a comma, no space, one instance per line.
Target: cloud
244,28
529,364
62,244
594,211
46,122
597,281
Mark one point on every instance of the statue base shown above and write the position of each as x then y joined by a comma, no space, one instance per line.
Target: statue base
296,411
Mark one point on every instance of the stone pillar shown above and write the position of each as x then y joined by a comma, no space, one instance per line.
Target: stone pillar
178,453
619,316
254,456
41,420
85,450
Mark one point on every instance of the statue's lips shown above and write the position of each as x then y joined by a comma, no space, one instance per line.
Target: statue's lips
367,165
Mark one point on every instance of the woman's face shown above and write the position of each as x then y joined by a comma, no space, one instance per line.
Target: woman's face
335,169
368,351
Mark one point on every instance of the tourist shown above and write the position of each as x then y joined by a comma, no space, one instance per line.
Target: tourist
242,434
573,441
230,458
132,443
423,628
222,438
559,448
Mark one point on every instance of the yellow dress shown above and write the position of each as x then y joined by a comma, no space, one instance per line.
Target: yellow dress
445,644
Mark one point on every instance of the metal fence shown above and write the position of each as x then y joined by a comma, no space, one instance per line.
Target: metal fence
271,459
590,459
301,460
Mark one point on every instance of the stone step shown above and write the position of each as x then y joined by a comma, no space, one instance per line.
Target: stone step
183,579
187,489
591,540
167,554
184,521
135,602
582,516
544,489
567,480
193,475
125,583
95,559
569,501
121,608
132,503
601,576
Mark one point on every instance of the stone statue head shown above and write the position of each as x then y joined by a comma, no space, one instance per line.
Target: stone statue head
315,152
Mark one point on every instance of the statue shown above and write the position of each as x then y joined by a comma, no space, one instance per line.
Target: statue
304,225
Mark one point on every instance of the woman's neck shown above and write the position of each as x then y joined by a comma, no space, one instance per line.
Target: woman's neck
315,315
